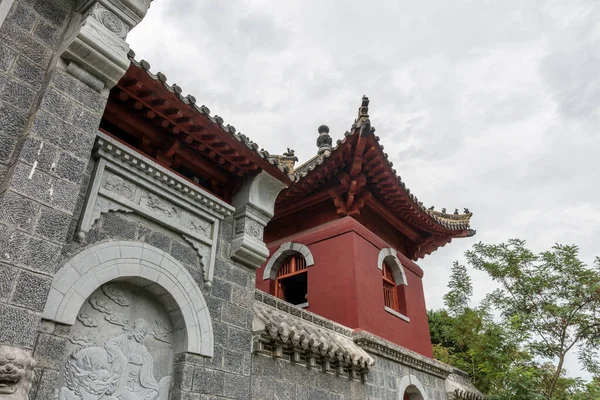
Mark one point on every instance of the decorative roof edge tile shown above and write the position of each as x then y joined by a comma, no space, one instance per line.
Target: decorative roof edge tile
459,387
376,345
278,330
107,146
191,102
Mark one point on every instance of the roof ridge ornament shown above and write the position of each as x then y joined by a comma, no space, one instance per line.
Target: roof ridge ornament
324,140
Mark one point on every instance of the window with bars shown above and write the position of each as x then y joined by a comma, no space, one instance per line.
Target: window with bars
291,284
390,293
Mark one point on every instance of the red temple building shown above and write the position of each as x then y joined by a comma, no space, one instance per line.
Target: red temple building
345,237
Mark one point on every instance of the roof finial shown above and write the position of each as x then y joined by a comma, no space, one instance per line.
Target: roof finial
363,110
324,140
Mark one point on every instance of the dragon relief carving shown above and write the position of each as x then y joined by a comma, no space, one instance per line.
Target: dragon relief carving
118,185
161,206
198,225
121,369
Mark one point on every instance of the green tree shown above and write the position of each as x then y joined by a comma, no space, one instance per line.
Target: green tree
553,298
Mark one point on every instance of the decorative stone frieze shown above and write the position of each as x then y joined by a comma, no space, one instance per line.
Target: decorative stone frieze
95,43
125,180
254,205
296,336
16,373
377,345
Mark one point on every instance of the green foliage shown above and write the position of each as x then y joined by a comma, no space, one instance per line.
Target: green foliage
547,305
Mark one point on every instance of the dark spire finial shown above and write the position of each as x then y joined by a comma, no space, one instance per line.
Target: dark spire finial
324,140
363,110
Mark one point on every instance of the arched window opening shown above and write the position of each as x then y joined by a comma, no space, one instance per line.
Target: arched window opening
394,295
390,294
291,284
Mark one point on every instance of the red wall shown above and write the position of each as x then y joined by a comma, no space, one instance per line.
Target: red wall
345,283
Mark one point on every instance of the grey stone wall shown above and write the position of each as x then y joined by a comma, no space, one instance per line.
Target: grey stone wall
227,374
279,379
47,127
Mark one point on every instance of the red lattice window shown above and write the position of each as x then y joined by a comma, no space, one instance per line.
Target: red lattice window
390,294
291,284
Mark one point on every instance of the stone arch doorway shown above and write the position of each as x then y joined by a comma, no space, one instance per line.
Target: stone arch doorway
138,265
410,388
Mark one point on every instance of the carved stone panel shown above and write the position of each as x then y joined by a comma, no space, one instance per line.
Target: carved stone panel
16,373
126,181
120,348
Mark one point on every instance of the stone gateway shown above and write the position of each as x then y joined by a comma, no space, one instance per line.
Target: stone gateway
150,251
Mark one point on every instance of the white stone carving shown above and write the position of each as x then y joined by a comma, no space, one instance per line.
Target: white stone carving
87,320
125,180
138,264
123,369
80,340
101,305
117,318
115,294
162,332
16,373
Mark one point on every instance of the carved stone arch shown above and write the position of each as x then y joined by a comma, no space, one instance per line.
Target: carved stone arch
283,252
141,265
410,384
388,255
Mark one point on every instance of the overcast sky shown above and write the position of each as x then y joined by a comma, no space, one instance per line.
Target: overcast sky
490,105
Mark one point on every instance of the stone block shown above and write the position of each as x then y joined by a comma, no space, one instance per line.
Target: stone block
208,381
284,390
22,16
11,243
13,120
31,291
183,376
155,238
18,326
6,58
62,134
241,296
221,290
53,224
28,73
50,350
117,226
70,167
183,252
262,387
235,315
17,210
47,385
72,87
232,362
37,152
16,93
57,104
239,340
50,11
216,361
8,275
47,33
242,276
84,119
236,386
214,307
220,332
40,255
24,44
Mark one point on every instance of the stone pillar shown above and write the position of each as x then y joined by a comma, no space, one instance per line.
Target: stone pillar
254,205
58,59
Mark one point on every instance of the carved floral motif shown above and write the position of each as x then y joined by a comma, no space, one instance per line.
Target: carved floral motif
16,373
248,226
